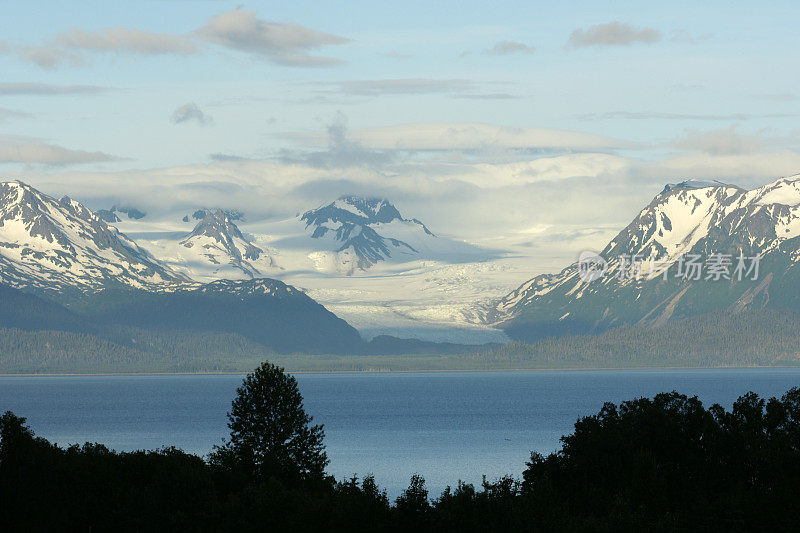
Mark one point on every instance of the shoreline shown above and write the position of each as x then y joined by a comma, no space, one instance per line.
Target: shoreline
420,371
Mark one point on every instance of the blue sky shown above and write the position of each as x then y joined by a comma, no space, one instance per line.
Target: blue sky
113,101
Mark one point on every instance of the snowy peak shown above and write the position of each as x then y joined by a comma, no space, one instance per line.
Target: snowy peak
675,221
720,218
356,210
217,241
365,230
785,191
694,184
49,243
688,219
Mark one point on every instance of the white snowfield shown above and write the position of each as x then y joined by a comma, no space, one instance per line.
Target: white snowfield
423,286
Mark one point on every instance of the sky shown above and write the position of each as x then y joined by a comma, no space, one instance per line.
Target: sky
538,127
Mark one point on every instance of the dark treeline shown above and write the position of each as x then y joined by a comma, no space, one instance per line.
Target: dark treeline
123,348
759,338
652,464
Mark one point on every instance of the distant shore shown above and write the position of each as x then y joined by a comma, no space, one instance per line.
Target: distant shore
397,371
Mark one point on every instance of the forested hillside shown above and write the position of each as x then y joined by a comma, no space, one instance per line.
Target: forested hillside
764,337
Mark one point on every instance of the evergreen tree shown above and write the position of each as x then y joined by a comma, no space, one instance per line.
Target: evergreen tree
271,434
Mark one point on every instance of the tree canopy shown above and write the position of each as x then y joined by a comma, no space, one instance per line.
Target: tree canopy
270,432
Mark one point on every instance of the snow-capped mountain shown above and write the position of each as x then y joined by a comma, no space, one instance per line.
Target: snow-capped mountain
364,231
52,244
217,243
647,278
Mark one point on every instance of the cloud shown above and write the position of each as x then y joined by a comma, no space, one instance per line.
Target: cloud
281,43
402,86
719,142
190,113
6,114
228,158
17,149
216,187
44,89
68,48
49,57
682,116
504,48
341,153
612,34
126,41
444,136
486,96
239,30
750,168
543,169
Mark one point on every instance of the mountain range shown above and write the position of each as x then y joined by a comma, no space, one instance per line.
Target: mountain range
74,286
68,274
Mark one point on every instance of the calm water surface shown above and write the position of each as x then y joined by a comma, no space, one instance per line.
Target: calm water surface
446,426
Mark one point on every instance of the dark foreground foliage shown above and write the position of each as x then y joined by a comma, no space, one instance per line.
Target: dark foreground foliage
661,464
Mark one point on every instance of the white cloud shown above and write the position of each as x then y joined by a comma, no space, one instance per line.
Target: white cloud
282,43
486,96
724,141
474,136
612,34
50,57
126,41
744,169
503,48
239,30
46,89
342,152
17,149
191,113
543,169
646,115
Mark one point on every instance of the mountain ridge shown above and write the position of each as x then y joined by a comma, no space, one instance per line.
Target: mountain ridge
47,243
703,220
